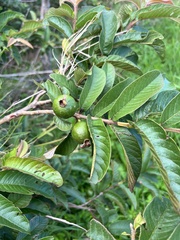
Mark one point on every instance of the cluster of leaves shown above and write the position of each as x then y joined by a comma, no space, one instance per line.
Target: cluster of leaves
128,118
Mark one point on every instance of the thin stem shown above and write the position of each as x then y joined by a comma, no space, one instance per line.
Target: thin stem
133,232
66,222
107,121
176,130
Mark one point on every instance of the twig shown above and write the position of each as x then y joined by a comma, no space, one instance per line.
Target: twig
176,130
133,232
66,222
25,111
22,74
107,121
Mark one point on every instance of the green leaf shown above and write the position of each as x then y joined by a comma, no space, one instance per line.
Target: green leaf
166,154
52,90
157,11
20,200
110,76
7,16
136,94
35,168
11,216
92,88
109,28
63,82
107,101
161,220
98,231
101,149
64,11
171,114
131,152
154,107
17,182
62,124
119,62
88,15
28,28
61,25
67,146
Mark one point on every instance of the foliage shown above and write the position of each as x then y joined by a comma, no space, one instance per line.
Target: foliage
54,188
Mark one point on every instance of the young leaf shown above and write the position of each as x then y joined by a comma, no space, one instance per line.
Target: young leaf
62,124
101,149
166,154
157,11
87,16
92,88
120,62
97,229
11,216
171,114
107,101
35,168
132,154
52,90
136,94
161,220
67,146
61,25
109,28
63,82
17,182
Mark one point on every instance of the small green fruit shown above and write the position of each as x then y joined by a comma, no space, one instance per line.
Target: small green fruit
80,132
64,106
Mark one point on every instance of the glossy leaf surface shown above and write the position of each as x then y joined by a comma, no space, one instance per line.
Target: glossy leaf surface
136,94
11,216
101,149
131,152
171,114
35,168
109,28
93,87
166,154
161,220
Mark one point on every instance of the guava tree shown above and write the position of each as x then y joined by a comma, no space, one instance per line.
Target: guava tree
107,112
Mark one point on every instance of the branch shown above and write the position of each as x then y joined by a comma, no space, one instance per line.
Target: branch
22,74
107,121
176,130
25,111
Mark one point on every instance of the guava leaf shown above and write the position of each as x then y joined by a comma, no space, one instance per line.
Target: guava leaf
109,28
107,101
62,124
20,200
67,146
34,168
97,229
166,154
131,152
7,16
136,94
110,76
12,217
64,11
93,87
120,62
18,182
171,114
63,82
157,11
101,149
61,24
52,90
161,220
